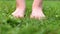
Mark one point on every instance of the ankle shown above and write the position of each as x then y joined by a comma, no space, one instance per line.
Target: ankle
37,8
21,7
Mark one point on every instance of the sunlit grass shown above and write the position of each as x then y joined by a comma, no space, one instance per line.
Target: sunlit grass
11,25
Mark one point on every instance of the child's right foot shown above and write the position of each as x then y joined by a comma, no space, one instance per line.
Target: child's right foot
19,13
20,9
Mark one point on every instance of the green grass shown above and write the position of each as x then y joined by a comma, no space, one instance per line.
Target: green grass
10,25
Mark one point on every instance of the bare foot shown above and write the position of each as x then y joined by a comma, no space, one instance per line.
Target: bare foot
19,13
37,14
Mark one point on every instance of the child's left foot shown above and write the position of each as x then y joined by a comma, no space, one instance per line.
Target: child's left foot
37,14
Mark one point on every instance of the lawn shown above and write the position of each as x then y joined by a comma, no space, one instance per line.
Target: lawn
11,25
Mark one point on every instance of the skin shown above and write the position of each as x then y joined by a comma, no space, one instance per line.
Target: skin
37,12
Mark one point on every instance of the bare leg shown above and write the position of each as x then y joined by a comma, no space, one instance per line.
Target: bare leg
37,10
20,8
